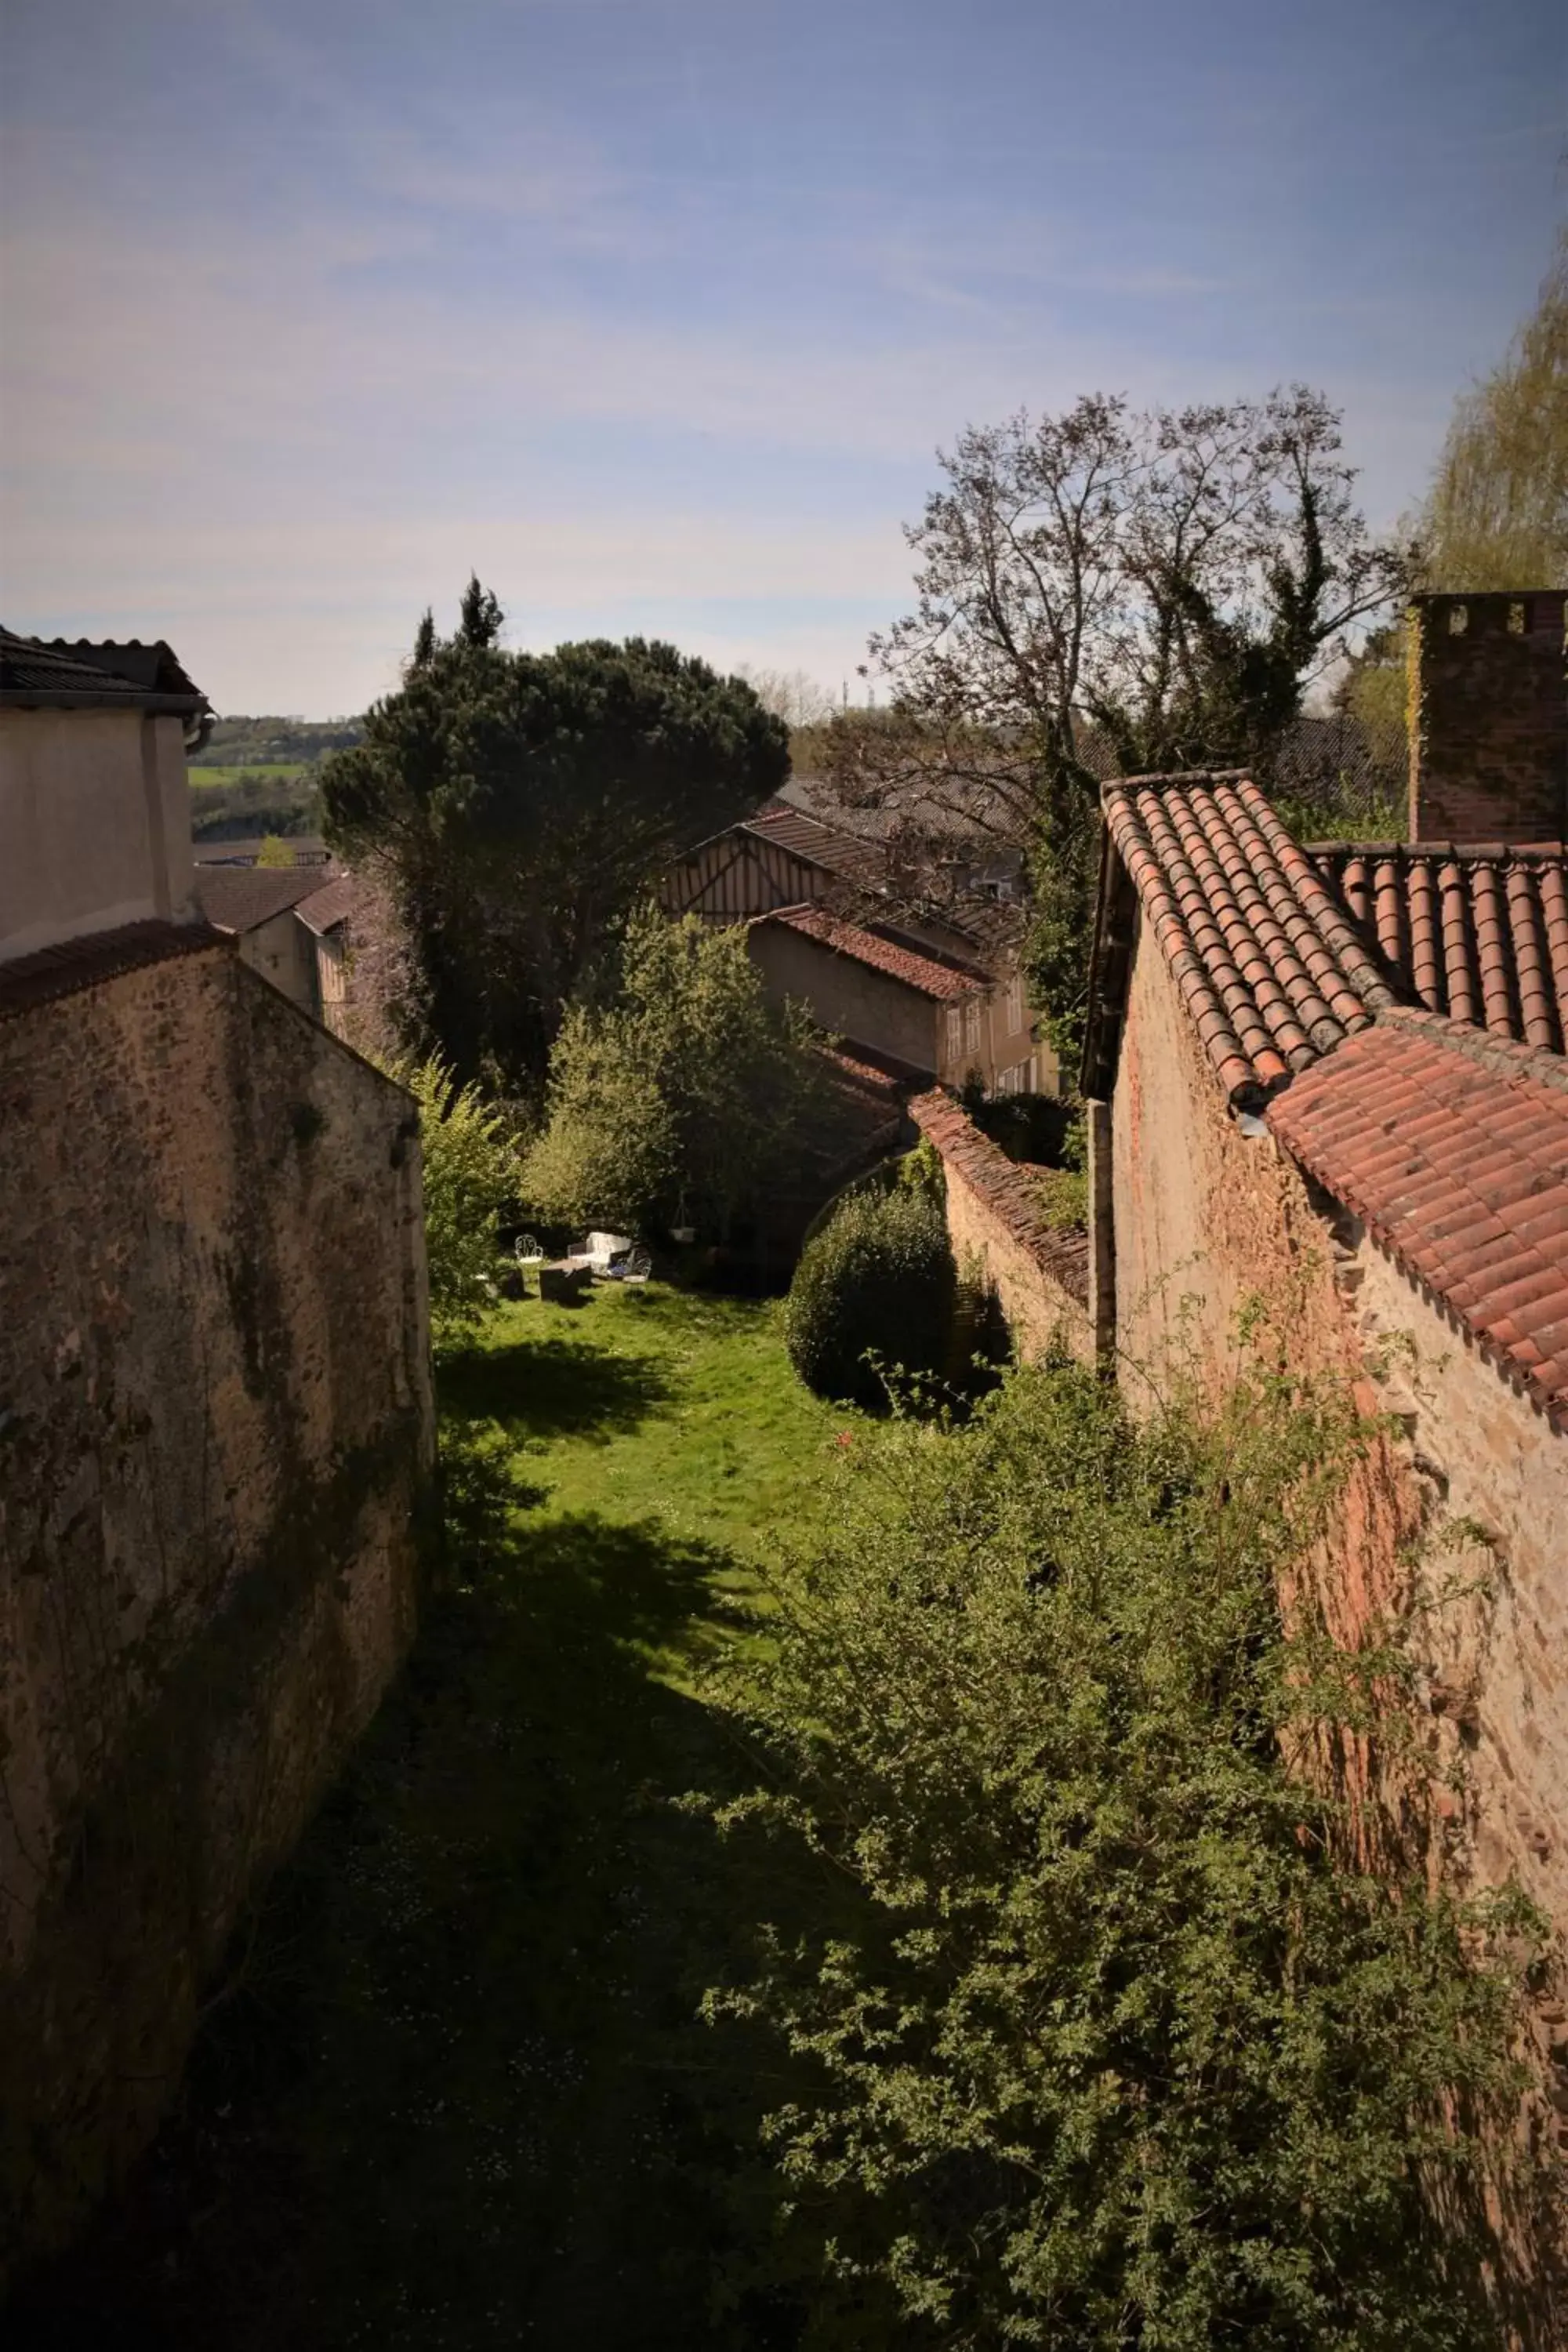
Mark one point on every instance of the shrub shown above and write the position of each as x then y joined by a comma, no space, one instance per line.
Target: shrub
470,1170
1099,2034
687,1086
878,1279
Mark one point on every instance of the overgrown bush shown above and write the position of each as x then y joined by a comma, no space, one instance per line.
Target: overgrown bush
879,1280
1101,2038
470,1170
688,1086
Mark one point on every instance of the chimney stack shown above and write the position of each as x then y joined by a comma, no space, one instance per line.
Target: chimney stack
1488,717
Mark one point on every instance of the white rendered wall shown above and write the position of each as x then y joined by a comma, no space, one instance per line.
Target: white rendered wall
95,825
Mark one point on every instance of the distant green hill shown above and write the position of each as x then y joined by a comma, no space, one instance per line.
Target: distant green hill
257,775
271,742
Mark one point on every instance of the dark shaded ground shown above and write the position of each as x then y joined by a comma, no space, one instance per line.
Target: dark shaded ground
457,2093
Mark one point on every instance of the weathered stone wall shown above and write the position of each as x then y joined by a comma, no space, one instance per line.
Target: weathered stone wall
1039,1277
216,1440
1488,741
1208,1219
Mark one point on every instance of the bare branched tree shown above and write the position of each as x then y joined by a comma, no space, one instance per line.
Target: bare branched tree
1108,590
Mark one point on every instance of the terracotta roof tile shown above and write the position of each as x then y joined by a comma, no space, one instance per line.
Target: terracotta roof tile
75,964
1488,1228
1005,1187
1478,932
333,903
1273,969
816,844
944,982
238,898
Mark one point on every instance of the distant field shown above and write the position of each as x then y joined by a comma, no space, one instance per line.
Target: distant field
258,772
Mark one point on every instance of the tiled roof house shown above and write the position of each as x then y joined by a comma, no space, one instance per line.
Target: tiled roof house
827,928
895,999
1333,1076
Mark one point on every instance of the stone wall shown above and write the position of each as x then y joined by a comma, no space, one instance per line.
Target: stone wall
216,1443
1468,1476
1488,741
1039,1277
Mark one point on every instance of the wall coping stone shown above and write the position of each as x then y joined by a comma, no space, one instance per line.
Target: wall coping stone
1005,1188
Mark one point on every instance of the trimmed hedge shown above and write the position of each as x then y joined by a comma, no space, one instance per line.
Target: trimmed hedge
879,1277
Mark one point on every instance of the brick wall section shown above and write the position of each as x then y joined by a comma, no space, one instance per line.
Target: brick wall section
1040,1277
1207,1217
216,1440
1488,741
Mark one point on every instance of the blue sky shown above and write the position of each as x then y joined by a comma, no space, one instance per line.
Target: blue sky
655,311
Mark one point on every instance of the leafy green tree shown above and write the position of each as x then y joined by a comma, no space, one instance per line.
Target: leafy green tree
1496,514
1105,591
1101,2037
470,1170
519,804
686,1085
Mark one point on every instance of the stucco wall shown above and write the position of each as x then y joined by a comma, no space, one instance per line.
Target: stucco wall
95,825
283,951
1227,1218
846,998
989,1043
215,1436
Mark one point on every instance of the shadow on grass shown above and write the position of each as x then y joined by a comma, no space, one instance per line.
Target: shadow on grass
458,2094
549,1387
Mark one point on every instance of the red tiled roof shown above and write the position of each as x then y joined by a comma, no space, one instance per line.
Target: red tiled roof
238,898
1478,932
1272,972
333,903
1005,1189
1454,1151
888,1069
815,844
75,964
944,982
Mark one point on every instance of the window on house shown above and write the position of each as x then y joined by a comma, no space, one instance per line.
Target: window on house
1017,1010
955,1032
972,1025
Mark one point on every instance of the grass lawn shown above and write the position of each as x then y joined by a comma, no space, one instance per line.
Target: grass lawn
461,2097
258,771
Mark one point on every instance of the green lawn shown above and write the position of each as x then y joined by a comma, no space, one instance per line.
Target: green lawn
259,771
461,2097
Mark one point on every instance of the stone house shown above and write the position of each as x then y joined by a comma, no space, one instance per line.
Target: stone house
829,927
891,998
289,924
783,856
1333,1077
216,1420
